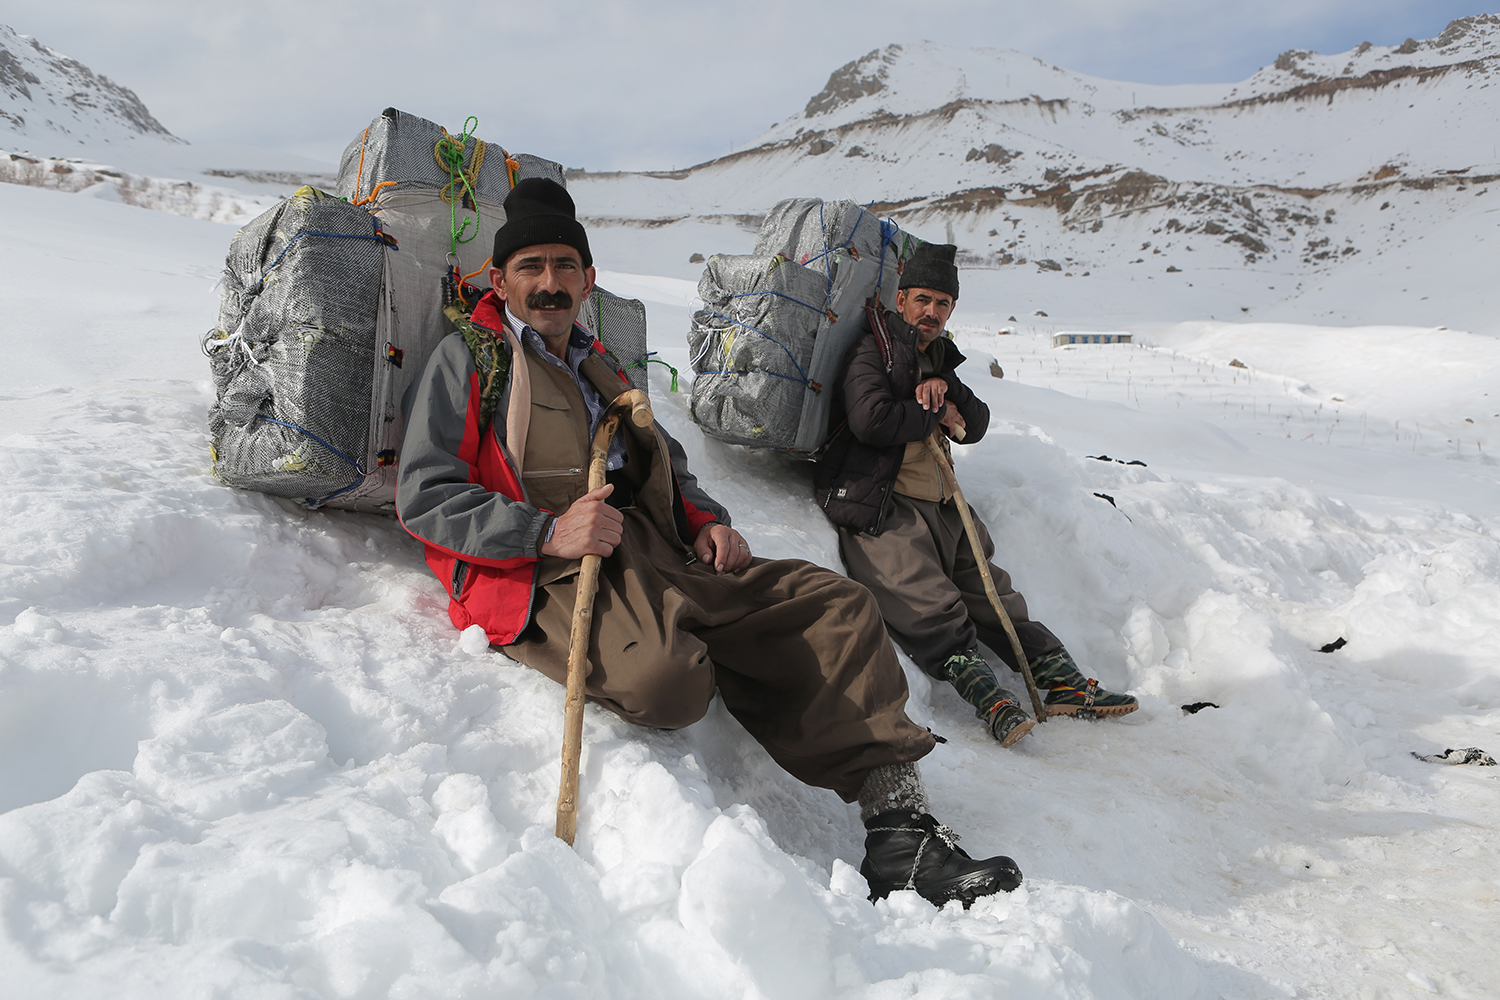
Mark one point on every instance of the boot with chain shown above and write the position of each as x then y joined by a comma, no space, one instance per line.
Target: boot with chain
910,850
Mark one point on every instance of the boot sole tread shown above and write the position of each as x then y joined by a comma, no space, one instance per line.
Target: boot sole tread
1093,711
966,889
1020,729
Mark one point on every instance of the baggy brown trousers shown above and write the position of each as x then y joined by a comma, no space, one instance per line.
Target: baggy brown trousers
797,652
922,571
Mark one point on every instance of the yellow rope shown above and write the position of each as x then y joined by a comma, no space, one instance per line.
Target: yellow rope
466,176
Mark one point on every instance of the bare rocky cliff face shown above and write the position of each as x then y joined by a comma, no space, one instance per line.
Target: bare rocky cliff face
50,102
852,81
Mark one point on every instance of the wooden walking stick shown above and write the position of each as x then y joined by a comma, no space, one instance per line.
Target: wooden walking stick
946,468
583,618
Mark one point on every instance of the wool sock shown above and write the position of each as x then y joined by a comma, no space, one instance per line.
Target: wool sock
891,787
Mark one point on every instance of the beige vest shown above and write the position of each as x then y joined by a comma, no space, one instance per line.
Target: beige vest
558,443
919,477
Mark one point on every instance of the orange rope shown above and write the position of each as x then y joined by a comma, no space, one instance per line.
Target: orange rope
359,174
373,193
482,268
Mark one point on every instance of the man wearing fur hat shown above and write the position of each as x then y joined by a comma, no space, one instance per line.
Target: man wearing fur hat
900,531
683,610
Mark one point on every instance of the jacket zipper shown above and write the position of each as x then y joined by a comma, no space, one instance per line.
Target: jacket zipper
460,576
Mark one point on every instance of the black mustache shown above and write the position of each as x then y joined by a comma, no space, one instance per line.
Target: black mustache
559,299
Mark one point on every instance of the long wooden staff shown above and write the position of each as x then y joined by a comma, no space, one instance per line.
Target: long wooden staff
583,618
984,570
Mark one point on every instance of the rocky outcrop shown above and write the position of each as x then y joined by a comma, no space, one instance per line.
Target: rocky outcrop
49,95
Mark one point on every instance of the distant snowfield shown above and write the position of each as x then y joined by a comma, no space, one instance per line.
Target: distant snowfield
243,753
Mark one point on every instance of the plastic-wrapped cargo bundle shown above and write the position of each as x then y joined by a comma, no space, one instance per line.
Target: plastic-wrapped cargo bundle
293,353
620,325
773,335
398,151
331,309
394,169
750,345
819,235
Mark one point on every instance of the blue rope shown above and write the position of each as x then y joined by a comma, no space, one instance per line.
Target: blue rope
312,232
791,357
784,295
888,231
304,431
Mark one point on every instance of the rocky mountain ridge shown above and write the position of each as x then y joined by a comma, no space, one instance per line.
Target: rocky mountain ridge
50,97
1313,161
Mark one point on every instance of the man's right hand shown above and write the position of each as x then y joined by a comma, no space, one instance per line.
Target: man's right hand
589,527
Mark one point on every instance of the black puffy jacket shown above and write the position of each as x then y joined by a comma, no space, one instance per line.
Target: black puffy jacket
875,414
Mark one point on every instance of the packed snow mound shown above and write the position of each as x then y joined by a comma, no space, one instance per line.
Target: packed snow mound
53,102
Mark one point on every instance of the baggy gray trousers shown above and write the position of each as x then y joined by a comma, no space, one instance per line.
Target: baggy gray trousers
796,651
922,571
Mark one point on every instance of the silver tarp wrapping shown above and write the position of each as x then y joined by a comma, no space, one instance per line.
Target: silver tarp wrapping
399,149
772,337
349,383
620,325
820,235
293,352
750,345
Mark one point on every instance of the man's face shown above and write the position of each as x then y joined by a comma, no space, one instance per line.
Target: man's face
544,286
927,310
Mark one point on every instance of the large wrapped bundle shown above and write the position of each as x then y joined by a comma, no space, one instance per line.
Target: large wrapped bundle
750,344
774,332
321,335
400,150
820,235
441,194
765,350
293,354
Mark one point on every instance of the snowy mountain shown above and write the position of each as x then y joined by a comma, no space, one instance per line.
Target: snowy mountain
66,128
51,97
1312,166
1270,199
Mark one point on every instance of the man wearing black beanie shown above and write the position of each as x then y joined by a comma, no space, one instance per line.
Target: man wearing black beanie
493,480
901,534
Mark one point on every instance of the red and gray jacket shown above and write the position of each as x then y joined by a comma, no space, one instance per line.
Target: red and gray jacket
461,488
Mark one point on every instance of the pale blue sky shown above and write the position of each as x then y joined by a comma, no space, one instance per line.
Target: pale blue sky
634,85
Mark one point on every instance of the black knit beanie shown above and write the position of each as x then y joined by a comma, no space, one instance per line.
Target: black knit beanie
931,266
537,211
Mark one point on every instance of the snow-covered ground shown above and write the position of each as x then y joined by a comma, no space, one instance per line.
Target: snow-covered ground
244,754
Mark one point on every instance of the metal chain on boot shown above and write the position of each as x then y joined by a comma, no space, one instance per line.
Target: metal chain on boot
944,832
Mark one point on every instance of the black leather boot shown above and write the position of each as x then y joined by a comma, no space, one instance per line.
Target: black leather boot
908,850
